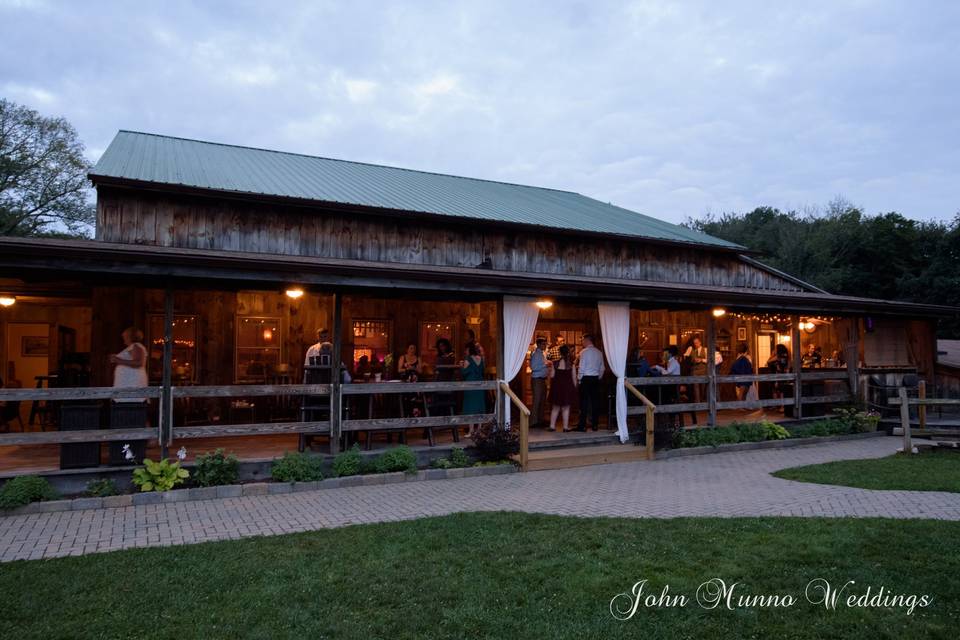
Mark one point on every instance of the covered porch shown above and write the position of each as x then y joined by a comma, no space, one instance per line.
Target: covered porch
227,343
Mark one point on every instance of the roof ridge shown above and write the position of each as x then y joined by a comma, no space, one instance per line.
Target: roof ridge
356,162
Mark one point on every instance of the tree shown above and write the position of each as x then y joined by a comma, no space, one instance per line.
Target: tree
43,175
844,251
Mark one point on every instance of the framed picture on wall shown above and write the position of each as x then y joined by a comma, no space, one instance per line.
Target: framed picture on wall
742,334
34,346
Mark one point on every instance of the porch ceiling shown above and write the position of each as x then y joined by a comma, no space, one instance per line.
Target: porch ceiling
35,259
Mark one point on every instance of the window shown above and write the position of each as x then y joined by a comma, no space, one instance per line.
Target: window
371,338
430,332
258,348
185,351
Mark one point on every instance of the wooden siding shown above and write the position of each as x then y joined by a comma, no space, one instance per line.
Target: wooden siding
141,217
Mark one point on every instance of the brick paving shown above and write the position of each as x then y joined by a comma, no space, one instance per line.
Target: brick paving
726,485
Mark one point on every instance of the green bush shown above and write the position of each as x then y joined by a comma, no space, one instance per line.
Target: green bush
296,467
101,488
24,490
858,421
400,458
159,476
459,458
216,468
348,463
773,431
751,431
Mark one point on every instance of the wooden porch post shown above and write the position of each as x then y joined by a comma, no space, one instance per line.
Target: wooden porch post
502,406
797,367
905,419
336,375
712,368
165,417
852,354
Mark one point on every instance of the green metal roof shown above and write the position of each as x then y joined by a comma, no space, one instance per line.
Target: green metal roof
167,160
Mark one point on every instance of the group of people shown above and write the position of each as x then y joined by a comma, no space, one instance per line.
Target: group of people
571,377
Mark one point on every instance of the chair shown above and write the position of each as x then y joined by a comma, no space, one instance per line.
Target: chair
439,404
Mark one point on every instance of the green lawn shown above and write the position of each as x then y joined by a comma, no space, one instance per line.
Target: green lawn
496,575
928,471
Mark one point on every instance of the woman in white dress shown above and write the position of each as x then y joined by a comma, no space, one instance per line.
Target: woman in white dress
131,364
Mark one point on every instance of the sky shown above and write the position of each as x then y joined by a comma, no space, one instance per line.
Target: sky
673,109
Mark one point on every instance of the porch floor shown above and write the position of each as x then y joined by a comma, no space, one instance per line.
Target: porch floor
17,460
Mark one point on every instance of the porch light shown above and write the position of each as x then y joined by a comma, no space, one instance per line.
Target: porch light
544,304
808,326
7,301
295,293
719,312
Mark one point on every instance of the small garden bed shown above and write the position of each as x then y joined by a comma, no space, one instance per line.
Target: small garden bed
215,474
846,421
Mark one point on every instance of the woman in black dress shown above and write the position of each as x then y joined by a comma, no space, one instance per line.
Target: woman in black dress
563,388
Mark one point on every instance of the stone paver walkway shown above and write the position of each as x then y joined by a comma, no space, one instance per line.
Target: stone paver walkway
726,484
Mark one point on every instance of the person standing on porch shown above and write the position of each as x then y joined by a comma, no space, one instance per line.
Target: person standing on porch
742,366
472,339
471,370
590,372
539,366
696,357
130,365
563,388
553,353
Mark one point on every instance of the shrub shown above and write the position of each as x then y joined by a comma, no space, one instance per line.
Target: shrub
159,476
24,490
296,467
101,488
495,444
348,463
773,431
751,431
858,421
400,458
459,458
215,468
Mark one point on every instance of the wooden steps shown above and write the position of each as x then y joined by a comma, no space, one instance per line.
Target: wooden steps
567,457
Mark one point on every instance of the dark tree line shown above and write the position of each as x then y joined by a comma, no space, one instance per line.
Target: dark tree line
845,251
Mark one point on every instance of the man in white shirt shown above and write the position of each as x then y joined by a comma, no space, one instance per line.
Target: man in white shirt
589,372
320,354
668,393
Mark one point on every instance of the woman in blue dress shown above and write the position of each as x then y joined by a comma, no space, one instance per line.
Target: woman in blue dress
471,369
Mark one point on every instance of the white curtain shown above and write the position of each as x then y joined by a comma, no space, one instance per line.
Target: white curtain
519,322
615,326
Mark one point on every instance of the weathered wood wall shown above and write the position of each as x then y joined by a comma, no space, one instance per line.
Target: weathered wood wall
142,217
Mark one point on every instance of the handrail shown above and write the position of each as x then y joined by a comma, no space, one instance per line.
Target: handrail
250,390
524,424
366,388
650,410
78,393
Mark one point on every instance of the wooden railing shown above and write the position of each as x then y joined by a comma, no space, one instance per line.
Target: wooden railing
649,409
715,404
524,424
312,427
903,401
103,434
392,423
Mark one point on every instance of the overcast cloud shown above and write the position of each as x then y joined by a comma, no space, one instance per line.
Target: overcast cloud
671,109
